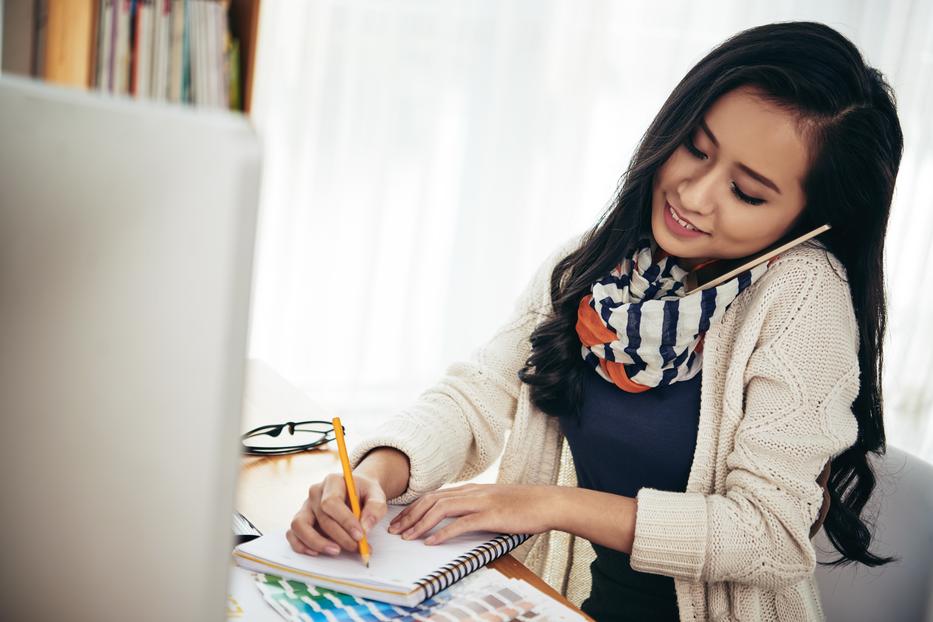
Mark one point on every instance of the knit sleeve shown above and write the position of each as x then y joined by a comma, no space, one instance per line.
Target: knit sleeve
800,383
457,427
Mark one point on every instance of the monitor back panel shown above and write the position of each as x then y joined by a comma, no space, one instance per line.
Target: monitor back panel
126,242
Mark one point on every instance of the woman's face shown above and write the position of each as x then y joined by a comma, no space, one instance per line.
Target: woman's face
737,179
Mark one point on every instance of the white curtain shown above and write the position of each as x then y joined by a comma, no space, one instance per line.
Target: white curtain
423,157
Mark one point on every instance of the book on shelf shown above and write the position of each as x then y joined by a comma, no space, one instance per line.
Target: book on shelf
165,50
67,40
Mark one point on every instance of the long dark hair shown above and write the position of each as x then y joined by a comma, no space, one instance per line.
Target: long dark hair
847,113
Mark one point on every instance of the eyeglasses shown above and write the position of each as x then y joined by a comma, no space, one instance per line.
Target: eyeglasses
287,438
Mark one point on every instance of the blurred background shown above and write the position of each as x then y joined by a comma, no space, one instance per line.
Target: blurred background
424,157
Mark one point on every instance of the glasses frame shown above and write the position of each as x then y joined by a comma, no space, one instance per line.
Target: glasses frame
274,429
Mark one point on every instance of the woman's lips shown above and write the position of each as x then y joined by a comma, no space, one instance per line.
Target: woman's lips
676,228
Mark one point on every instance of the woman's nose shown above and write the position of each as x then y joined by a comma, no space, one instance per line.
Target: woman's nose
698,195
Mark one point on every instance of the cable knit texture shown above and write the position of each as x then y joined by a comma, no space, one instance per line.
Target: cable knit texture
780,374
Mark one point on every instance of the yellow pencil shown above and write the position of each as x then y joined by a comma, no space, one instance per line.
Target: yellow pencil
351,489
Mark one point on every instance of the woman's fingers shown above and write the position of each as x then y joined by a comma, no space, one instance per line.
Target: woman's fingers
470,522
404,519
325,522
443,508
336,533
334,515
297,545
304,533
413,513
374,503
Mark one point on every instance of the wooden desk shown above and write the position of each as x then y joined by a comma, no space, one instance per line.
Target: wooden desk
272,488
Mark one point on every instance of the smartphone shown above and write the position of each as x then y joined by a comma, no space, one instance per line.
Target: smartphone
721,271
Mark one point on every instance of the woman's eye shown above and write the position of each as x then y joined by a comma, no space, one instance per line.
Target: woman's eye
693,149
745,197
688,143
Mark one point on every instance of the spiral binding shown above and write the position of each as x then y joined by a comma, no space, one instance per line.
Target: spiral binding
446,575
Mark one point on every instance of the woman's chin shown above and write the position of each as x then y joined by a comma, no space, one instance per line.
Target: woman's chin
665,240
686,257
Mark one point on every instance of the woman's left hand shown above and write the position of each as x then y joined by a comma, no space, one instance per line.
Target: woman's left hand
479,507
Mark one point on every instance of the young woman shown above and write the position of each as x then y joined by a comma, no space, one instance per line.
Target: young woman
667,447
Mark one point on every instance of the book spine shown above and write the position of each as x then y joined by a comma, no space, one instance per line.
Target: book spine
156,47
134,45
112,56
143,50
221,49
176,60
40,40
469,562
205,47
71,42
186,95
195,43
165,43
122,53
234,72
103,46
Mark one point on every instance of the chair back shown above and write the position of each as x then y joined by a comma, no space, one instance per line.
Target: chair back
902,507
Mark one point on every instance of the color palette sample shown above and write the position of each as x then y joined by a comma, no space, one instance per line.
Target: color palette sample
484,595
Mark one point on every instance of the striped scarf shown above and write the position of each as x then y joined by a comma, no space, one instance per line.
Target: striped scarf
640,331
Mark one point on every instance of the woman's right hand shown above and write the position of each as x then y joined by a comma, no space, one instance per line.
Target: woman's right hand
326,524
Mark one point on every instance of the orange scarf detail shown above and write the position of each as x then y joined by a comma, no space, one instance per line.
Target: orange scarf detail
592,331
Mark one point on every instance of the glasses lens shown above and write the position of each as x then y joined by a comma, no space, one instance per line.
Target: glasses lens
305,433
314,427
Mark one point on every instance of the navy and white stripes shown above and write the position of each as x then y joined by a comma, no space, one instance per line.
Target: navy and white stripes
637,327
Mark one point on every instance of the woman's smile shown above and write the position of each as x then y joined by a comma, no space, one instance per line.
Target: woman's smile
678,225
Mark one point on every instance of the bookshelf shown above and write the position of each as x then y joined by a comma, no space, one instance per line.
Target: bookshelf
64,47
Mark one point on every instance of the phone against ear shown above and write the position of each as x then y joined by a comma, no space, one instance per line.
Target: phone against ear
721,271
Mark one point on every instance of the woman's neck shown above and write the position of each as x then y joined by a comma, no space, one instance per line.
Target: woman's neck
692,263
686,263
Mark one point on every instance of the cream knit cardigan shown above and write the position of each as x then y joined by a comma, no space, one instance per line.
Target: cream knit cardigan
780,373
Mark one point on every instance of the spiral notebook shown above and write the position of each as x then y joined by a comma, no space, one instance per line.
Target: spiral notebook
401,572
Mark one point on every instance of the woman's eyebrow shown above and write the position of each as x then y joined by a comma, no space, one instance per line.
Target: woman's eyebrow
752,173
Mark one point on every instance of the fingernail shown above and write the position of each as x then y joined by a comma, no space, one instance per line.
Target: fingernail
392,528
408,534
357,534
332,550
430,540
368,523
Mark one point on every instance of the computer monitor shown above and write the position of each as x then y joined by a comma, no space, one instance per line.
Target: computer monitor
126,244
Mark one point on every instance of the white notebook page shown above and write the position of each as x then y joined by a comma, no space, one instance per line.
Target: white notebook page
394,562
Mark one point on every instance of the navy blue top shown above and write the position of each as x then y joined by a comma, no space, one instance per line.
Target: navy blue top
621,443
